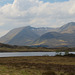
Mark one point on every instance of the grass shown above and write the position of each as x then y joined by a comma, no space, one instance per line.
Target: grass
26,50
35,49
37,65
15,48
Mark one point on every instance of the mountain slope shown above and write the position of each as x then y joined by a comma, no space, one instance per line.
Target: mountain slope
24,35
42,30
64,36
67,28
55,39
51,37
10,35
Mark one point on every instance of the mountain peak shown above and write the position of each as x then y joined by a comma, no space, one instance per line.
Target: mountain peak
68,28
28,27
71,24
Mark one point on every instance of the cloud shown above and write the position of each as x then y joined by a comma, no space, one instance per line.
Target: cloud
36,13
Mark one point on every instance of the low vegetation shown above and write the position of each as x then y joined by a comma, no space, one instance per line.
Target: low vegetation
15,48
44,65
10,48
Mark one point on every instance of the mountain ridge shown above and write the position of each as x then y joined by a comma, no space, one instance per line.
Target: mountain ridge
52,37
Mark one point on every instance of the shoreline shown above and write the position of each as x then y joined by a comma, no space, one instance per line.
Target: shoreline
28,51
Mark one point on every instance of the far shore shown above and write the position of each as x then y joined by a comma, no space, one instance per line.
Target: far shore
38,49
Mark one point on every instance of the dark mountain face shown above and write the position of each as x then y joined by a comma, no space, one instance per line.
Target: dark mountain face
10,35
50,35
55,39
25,37
63,39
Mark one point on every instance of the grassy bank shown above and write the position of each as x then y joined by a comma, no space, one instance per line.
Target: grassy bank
37,65
31,49
15,48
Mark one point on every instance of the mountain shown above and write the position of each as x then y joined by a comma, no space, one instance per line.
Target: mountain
55,39
43,36
10,35
24,35
64,36
42,30
67,28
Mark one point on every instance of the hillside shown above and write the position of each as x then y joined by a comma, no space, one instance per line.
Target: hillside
67,28
24,35
55,39
63,37
10,35
43,36
6,46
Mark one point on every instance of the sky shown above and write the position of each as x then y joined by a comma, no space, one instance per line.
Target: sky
3,2
36,13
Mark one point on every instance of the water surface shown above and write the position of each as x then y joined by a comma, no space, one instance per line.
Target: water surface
15,54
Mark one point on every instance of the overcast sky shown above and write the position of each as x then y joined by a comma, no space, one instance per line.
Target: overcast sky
36,13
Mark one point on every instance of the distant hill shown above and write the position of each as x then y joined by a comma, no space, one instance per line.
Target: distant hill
55,39
63,37
5,46
67,28
24,35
